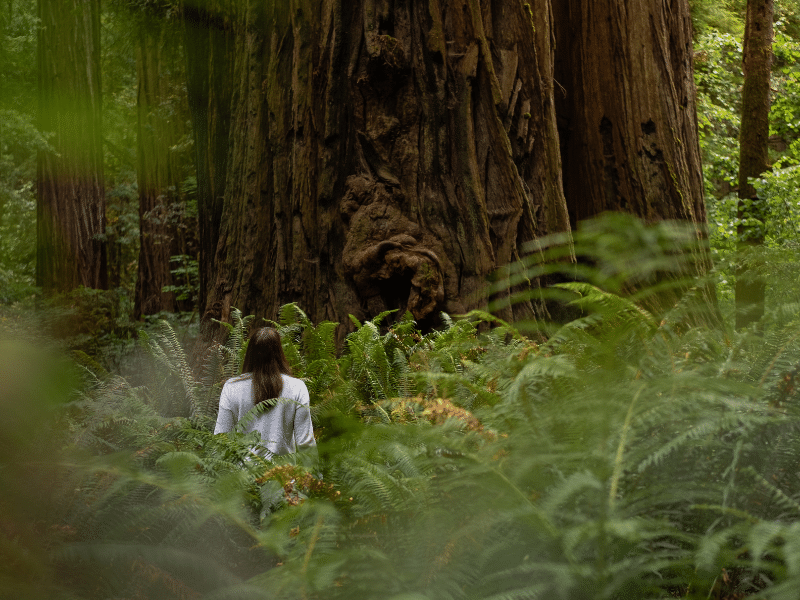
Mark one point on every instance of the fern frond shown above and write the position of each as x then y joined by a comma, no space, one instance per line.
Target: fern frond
167,350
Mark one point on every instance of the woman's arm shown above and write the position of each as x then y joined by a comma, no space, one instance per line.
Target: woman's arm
303,429
226,419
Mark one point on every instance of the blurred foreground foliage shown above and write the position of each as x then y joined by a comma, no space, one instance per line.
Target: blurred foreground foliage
622,454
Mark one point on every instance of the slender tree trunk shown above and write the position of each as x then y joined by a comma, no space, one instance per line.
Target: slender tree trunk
753,153
161,118
71,250
385,155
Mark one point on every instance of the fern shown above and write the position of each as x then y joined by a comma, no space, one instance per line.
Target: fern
635,453
165,347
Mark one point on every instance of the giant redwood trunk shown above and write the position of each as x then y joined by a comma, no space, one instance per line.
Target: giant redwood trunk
70,192
385,155
753,153
626,106
160,173
388,154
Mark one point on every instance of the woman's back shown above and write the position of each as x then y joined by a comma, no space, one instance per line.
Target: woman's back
284,428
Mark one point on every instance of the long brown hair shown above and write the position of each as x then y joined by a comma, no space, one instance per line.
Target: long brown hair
265,361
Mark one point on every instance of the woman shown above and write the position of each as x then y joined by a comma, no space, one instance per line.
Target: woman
284,421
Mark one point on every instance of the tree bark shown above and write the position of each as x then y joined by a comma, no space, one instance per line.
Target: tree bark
71,250
388,154
625,100
753,153
160,173
208,42
385,155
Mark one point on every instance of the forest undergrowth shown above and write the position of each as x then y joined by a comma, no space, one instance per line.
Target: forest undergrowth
623,454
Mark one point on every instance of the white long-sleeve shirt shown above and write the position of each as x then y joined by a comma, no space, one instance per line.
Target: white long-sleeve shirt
285,428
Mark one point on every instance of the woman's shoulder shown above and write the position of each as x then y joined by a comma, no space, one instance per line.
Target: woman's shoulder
292,384
292,380
242,380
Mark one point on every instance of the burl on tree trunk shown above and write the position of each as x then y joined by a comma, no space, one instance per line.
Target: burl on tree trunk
385,155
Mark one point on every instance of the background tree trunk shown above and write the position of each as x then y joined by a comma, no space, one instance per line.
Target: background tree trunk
208,28
70,189
385,155
625,100
160,174
753,153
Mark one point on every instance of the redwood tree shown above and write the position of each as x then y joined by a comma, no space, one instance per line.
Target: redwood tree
392,154
385,155
625,103
70,191
753,152
162,116
208,43
626,106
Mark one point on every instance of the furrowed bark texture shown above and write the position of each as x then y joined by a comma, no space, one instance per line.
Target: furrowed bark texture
161,115
753,151
385,155
70,190
625,100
